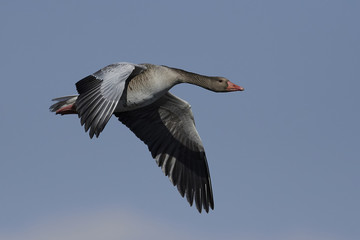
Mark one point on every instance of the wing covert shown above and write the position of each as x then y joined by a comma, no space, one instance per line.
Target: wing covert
100,93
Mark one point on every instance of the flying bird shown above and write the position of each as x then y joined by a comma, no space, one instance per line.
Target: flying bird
138,95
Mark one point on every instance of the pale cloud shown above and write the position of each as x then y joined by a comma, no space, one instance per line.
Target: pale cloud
118,224
109,225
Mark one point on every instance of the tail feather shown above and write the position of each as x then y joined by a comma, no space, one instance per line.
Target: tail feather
64,105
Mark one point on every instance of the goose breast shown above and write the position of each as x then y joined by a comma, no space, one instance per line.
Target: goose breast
147,87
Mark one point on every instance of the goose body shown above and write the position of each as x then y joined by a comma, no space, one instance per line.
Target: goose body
138,95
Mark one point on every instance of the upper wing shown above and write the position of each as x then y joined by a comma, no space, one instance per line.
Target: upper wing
100,93
167,127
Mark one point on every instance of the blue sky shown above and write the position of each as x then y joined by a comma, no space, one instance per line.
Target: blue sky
283,155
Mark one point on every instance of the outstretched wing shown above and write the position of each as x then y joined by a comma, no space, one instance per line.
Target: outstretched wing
167,127
100,93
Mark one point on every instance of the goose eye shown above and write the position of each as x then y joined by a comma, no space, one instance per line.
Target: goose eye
220,81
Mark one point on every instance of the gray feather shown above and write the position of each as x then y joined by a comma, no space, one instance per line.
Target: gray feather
167,127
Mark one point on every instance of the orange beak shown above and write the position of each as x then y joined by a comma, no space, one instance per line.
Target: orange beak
233,87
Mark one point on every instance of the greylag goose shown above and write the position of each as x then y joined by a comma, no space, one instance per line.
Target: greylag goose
138,95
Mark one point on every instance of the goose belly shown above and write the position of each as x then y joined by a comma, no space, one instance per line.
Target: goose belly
134,101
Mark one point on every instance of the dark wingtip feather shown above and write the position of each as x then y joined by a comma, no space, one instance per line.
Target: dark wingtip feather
87,83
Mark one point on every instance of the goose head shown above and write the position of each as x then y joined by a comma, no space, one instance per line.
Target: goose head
221,84
215,84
